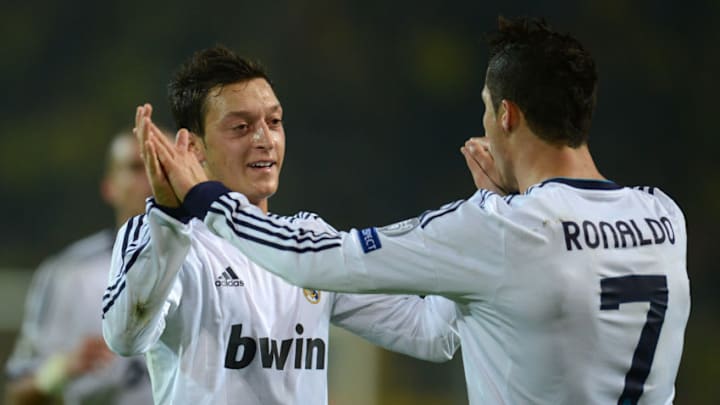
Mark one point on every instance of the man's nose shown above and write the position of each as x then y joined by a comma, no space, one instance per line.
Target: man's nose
262,138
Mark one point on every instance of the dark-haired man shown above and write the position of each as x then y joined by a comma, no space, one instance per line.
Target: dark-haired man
571,290
216,328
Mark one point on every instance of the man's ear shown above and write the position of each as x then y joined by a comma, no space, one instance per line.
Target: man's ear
197,146
509,115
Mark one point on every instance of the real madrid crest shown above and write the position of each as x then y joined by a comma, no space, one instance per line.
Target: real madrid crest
312,295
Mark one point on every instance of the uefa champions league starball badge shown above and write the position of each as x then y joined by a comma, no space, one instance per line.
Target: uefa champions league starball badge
400,228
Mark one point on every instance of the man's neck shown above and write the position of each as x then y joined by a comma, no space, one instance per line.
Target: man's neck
539,161
263,205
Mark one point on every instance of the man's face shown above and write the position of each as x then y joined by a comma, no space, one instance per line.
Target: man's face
126,186
498,142
244,143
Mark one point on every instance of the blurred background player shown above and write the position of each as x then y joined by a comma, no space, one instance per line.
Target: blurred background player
60,355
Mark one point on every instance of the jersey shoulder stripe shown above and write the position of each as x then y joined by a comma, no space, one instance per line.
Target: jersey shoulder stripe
134,242
107,305
239,233
131,244
120,280
508,198
444,207
300,215
430,216
647,189
231,206
266,225
271,232
125,268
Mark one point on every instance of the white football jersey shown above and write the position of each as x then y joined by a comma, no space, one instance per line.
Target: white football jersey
574,292
217,329
62,309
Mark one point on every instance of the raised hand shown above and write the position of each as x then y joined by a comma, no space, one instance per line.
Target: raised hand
178,161
145,129
482,165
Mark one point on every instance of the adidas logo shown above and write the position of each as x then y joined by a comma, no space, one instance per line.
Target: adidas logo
228,278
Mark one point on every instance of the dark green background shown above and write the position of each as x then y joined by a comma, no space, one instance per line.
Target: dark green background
378,97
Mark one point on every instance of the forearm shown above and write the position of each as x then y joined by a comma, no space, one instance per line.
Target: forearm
145,272
424,328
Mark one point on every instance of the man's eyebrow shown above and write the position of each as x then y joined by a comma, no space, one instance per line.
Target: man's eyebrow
248,113
238,113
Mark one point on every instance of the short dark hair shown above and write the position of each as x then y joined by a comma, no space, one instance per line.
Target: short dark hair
550,76
205,70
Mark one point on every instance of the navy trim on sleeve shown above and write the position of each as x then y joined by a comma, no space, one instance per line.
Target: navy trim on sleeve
179,213
198,199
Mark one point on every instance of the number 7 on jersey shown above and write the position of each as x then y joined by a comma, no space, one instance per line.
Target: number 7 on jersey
650,288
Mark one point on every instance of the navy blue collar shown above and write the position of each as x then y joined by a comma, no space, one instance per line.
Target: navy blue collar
587,184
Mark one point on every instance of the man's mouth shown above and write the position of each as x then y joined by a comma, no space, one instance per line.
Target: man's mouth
262,164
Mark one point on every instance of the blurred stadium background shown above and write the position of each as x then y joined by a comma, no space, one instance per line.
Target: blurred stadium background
378,98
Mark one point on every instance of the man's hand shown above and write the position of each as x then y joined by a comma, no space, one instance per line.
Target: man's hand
482,165
178,161
59,369
92,354
144,130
